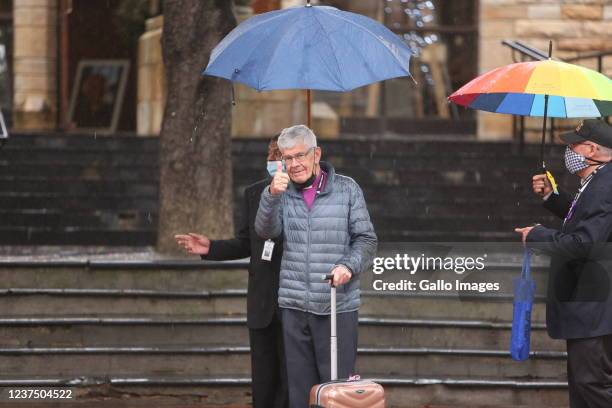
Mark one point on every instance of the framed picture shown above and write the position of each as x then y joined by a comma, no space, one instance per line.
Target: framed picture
97,95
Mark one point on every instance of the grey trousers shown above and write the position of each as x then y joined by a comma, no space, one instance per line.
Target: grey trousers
307,350
589,372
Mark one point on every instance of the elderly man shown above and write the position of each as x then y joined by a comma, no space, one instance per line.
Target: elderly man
327,229
269,376
579,304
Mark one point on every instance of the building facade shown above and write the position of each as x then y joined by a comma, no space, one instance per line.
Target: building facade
95,65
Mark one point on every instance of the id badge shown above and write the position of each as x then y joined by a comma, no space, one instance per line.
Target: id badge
268,248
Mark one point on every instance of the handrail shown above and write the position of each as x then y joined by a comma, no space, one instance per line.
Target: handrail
589,56
525,50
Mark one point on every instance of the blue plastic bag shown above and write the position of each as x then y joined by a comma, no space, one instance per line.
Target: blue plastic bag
524,290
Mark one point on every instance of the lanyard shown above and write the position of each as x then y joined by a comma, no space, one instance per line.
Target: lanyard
321,182
585,183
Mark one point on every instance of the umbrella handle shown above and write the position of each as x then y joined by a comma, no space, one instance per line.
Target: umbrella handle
544,133
309,107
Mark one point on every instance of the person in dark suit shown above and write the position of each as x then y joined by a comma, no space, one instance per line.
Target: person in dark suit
579,301
268,370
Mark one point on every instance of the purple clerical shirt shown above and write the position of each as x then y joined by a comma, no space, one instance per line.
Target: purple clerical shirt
310,193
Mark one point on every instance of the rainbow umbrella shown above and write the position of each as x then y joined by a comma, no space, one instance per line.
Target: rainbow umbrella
547,88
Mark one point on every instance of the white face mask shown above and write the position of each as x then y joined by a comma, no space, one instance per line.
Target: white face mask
272,167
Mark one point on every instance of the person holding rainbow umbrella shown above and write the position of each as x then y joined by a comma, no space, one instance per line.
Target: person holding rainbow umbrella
579,300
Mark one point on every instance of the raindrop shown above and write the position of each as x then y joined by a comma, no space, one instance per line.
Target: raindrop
388,10
149,218
173,114
419,24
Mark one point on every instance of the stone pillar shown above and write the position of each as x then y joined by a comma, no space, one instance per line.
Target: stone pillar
496,23
151,79
35,64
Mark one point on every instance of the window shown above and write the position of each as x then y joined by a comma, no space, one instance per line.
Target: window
444,38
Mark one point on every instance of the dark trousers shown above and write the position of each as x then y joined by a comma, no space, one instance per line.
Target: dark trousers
307,348
268,366
589,371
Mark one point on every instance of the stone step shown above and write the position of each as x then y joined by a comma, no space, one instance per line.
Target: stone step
77,186
83,141
67,220
422,218
102,172
223,361
190,330
26,235
234,392
413,235
105,201
195,277
226,303
79,157
187,275
425,219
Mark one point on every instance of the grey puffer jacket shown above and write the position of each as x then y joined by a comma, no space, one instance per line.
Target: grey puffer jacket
335,231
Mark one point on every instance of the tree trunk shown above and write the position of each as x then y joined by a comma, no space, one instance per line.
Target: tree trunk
195,139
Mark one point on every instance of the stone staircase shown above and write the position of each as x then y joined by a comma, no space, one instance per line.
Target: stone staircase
168,333
83,190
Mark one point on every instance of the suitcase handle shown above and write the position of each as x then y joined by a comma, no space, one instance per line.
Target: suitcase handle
333,340
329,277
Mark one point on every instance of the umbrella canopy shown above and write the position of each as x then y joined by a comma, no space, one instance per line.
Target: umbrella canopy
521,89
309,47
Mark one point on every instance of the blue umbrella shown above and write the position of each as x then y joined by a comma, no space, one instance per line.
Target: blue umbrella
309,47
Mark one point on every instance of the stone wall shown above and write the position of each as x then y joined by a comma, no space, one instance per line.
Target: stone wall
35,64
575,26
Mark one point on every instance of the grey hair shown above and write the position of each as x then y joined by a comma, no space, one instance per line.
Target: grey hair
293,135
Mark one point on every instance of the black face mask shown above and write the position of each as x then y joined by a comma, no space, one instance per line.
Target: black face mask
307,183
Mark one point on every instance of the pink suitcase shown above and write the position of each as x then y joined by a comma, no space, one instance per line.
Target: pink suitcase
350,393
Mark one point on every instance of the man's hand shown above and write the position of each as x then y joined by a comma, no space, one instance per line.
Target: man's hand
341,275
280,181
194,243
524,232
541,185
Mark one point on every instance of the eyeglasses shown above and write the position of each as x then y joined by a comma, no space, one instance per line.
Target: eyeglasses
300,157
